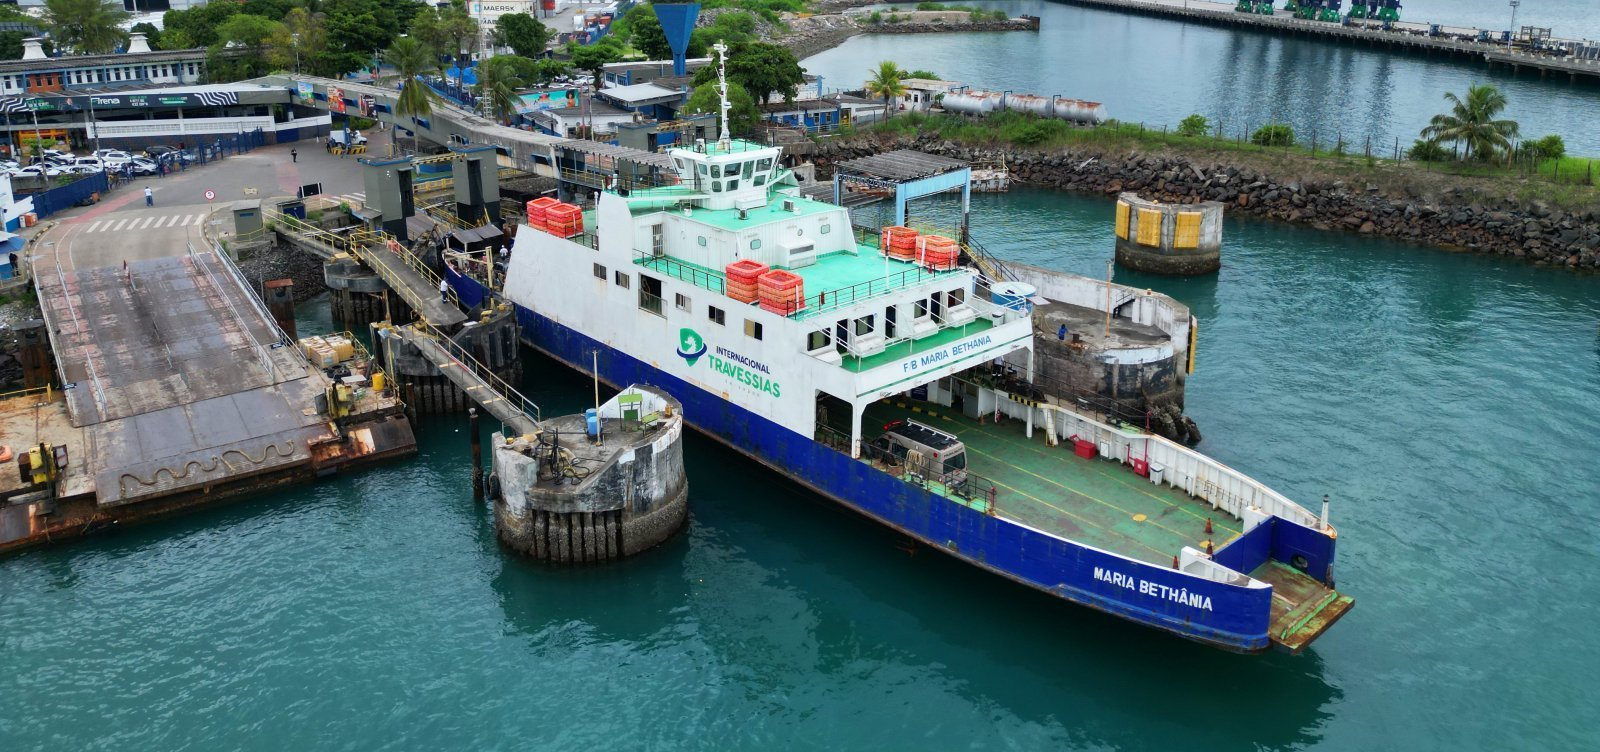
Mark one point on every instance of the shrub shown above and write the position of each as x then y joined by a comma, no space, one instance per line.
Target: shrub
1273,134
1194,125
1427,151
875,18
1549,147
999,15
1030,134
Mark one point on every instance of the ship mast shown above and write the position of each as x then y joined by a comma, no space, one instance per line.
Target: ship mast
723,142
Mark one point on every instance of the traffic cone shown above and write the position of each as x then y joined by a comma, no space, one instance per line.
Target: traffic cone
1174,561
1209,550
1208,526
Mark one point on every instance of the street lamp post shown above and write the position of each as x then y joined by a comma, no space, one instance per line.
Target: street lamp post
295,39
1511,36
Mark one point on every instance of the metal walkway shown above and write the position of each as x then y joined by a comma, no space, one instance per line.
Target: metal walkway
400,269
474,379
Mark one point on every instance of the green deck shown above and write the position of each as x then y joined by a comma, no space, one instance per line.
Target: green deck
1095,502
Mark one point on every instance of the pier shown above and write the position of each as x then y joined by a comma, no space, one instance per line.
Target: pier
1400,35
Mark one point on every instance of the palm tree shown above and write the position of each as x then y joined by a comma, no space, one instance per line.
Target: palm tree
1472,122
886,82
411,59
498,84
88,27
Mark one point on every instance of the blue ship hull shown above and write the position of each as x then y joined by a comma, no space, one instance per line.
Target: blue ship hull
1229,616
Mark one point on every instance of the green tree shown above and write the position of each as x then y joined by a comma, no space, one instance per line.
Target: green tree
595,57
547,70
245,48
742,115
90,27
921,73
522,33
411,58
499,79
11,44
448,31
885,82
647,36
1472,122
1194,125
357,29
765,69
195,27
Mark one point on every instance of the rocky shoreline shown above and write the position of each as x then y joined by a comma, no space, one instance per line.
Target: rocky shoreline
1455,221
815,34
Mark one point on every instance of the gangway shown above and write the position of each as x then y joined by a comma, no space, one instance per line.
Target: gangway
476,380
399,268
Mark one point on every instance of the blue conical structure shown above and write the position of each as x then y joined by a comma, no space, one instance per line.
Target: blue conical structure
677,20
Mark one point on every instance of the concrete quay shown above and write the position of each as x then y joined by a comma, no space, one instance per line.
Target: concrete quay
1404,35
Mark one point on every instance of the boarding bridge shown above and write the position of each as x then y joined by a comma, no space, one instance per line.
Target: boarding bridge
399,268
476,380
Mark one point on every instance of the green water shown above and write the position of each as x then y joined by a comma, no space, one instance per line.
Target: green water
1445,401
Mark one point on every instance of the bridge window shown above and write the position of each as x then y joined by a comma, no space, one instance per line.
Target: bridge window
766,164
622,280
683,303
752,329
702,241
733,185
600,272
761,180
749,169
817,340
716,315
864,325
650,294
716,171
755,244
825,229
955,298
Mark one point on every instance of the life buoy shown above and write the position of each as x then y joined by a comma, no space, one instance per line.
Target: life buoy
5,454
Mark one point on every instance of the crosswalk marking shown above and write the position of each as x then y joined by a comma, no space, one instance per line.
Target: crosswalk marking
94,226
159,222
119,225
145,224
192,219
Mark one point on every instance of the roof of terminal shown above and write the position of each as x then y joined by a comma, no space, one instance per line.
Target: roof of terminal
77,62
900,165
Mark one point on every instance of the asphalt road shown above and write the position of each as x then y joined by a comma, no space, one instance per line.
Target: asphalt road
122,228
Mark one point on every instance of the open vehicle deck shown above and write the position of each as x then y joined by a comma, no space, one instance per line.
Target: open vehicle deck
1096,502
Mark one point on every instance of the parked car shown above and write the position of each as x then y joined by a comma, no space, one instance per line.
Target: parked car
142,166
159,150
93,163
58,154
80,170
112,154
35,171
172,158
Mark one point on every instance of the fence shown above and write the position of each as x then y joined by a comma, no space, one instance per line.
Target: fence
68,195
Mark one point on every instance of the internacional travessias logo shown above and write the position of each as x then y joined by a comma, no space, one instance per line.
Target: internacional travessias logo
690,345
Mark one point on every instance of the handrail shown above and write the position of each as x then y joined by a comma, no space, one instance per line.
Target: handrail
454,349
676,269
831,300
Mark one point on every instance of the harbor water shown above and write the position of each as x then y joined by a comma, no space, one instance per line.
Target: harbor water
1444,401
1158,71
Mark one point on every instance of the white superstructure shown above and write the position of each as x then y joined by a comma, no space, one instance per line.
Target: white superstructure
650,284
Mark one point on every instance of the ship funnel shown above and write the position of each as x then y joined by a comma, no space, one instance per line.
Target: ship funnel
677,20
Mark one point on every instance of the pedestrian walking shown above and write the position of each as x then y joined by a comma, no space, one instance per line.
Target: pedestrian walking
149,196
444,288
294,156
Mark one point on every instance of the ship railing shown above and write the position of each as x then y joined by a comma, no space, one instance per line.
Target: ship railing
843,297
694,275
652,303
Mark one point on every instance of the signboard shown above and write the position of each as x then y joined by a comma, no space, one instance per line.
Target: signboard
303,89
336,99
492,10
84,103
369,106
210,194
548,100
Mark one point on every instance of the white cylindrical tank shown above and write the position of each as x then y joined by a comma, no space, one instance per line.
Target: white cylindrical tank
1032,104
578,21
1079,111
972,102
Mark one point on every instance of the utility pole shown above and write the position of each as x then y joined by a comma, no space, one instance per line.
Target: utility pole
1511,36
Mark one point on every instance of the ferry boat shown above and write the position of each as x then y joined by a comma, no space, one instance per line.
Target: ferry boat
889,385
